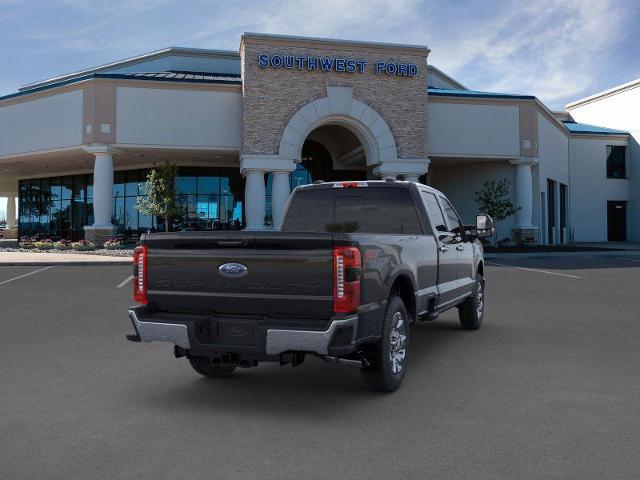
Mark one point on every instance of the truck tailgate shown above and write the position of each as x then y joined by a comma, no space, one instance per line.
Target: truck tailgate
287,274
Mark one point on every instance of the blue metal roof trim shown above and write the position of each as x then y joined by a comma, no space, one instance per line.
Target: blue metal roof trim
226,79
474,93
585,128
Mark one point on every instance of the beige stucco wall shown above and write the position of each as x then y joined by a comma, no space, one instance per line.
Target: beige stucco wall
178,117
54,121
271,96
467,129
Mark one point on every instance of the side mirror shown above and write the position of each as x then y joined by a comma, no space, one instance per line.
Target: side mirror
485,226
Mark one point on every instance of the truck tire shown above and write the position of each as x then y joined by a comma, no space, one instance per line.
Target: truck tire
471,311
203,366
388,358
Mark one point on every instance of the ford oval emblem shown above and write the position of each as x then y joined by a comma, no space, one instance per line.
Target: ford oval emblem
233,270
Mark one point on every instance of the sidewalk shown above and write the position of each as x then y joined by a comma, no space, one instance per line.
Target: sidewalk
616,245
635,254
609,249
32,258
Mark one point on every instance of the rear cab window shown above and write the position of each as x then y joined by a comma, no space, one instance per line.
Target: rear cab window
375,210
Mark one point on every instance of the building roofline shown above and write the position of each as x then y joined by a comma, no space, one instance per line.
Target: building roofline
445,92
416,49
116,76
605,93
447,77
133,61
588,129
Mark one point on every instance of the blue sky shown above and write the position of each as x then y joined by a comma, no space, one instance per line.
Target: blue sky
557,50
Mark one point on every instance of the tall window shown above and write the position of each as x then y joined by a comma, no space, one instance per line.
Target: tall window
55,207
60,207
127,186
211,198
616,161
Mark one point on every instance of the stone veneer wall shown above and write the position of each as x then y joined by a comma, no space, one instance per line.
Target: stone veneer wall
271,96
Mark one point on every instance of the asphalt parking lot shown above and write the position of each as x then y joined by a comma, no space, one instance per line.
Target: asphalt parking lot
548,388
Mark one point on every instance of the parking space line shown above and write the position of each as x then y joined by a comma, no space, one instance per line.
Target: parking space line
25,275
533,270
125,281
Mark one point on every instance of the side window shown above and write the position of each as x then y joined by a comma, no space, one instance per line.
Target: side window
434,211
452,217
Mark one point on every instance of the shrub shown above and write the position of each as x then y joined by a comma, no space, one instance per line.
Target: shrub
83,245
26,242
46,244
62,245
113,244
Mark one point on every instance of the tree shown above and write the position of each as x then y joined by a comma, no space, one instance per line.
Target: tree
494,200
160,191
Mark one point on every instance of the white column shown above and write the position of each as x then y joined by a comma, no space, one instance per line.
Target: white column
524,193
280,191
409,169
254,199
11,212
103,189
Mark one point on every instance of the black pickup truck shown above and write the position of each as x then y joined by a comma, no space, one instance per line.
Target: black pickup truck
353,266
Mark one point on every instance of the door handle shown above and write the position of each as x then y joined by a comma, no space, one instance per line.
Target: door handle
460,247
443,248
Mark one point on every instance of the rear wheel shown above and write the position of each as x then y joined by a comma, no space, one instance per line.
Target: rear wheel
388,358
203,366
471,311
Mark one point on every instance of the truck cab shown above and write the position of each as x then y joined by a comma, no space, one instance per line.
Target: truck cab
353,266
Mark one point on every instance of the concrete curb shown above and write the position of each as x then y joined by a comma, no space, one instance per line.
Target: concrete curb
610,253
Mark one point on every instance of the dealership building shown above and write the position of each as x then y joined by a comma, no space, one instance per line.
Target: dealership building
246,127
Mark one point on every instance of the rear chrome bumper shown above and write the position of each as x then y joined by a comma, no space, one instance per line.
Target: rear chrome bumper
280,341
175,333
277,341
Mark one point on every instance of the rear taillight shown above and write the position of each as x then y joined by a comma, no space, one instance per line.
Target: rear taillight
140,275
347,264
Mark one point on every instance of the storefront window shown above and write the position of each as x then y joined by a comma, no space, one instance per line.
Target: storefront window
211,199
59,207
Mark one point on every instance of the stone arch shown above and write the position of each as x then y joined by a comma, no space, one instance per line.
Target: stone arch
340,108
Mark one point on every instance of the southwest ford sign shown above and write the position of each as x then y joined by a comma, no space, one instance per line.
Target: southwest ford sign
334,64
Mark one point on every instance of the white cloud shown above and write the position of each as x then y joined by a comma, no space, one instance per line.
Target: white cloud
546,48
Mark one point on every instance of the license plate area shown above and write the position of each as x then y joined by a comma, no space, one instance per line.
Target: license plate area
226,332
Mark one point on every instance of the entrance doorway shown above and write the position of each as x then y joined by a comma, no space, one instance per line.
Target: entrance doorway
332,153
617,221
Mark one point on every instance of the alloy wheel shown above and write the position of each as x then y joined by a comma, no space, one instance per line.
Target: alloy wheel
398,339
